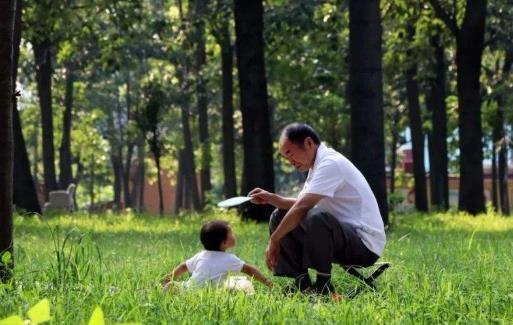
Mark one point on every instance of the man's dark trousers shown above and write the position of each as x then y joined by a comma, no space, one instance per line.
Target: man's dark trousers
317,242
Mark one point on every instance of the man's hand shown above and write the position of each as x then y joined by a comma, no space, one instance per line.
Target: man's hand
272,253
260,196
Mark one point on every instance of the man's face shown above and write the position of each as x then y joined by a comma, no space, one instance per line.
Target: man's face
301,157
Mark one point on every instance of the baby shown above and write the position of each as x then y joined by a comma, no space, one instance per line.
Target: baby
211,265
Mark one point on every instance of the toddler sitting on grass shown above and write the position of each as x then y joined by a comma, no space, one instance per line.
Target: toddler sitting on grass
210,266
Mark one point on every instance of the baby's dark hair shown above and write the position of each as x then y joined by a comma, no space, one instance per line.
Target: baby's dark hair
213,234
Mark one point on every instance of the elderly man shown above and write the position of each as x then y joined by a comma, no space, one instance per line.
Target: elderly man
335,218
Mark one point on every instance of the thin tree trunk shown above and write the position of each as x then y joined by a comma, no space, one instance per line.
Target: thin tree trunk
230,182
179,183
118,175
159,182
24,190
495,203
7,14
142,175
417,136
366,97
258,150
43,58
91,181
503,151
191,183
393,150
66,176
435,101
130,150
201,89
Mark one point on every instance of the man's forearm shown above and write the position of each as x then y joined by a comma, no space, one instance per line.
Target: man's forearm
291,220
282,202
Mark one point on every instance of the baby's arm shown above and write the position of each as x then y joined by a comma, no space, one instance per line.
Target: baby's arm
254,272
177,272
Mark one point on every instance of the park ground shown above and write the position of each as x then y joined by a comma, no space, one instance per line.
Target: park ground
447,268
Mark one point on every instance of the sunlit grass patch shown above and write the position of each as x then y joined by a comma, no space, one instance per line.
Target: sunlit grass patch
445,268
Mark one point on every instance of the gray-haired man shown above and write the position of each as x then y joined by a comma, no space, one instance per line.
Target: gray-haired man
335,218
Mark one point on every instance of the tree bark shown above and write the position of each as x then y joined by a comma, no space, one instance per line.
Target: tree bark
435,101
258,150
179,183
129,151
156,156
366,97
495,202
201,89
228,144
7,13
24,190
117,167
503,151
469,50
393,151
91,181
43,58
417,136
191,184
66,175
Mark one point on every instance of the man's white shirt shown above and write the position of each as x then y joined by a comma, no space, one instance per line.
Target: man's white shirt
347,196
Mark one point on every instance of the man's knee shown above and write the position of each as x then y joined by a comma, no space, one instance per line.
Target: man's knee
318,221
275,219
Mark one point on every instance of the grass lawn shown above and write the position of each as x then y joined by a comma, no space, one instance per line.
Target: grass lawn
446,268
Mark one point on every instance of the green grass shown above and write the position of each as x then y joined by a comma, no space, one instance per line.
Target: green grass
446,268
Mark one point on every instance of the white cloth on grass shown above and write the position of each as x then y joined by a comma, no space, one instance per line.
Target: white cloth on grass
211,267
347,196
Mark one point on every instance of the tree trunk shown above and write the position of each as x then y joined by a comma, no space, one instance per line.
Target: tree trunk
142,175
230,182
24,191
179,183
503,151
129,152
393,151
469,50
495,203
435,101
258,150
159,182
117,167
137,178
91,181
417,136
201,89
43,58
366,97
7,13
468,61
66,176
191,184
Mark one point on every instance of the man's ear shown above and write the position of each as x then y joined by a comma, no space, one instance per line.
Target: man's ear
308,142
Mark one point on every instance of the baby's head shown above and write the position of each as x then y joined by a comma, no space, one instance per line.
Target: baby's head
217,235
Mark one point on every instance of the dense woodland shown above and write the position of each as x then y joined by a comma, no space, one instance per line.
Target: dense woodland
104,94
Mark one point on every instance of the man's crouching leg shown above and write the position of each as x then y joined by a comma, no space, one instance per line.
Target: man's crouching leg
290,263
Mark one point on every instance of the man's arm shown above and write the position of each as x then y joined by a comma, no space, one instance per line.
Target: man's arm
261,196
290,221
255,273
